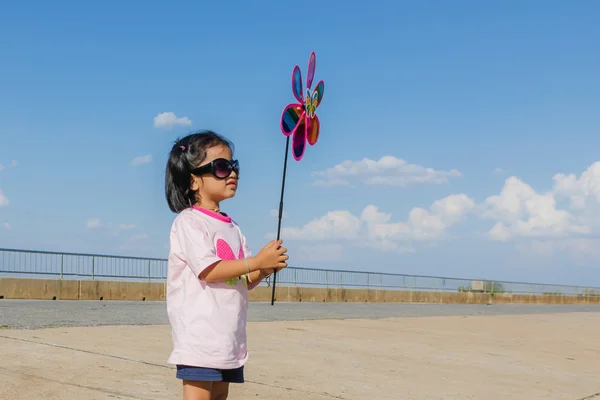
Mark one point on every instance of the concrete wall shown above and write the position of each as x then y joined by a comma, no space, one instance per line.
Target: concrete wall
57,289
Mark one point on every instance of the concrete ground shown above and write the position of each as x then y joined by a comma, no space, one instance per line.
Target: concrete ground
310,351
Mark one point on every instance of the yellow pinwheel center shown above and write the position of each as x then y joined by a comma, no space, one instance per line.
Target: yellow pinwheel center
310,103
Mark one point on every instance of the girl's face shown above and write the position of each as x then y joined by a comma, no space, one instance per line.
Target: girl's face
210,188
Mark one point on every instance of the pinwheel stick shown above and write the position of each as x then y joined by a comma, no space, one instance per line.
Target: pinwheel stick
287,150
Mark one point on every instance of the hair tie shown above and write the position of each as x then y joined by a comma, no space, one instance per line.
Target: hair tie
182,148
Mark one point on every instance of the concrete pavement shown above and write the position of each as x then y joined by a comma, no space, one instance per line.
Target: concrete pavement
526,356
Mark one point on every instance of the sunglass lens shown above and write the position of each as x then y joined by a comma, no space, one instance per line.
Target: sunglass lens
222,168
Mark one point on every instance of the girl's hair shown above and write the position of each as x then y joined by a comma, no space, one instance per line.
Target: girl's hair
188,153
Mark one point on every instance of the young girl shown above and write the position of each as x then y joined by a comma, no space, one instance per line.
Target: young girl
210,270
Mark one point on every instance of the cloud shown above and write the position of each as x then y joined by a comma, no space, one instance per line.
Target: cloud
581,192
499,170
333,225
421,224
169,120
374,228
12,164
580,250
388,170
93,223
115,229
141,160
7,226
520,211
3,199
138,236
558,220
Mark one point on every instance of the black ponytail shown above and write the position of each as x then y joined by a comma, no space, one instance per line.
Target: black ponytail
187,153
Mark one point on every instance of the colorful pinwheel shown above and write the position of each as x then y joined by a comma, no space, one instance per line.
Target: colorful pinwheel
300,119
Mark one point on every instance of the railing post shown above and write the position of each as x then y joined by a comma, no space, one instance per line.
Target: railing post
148,270
295,278
61,265
93,267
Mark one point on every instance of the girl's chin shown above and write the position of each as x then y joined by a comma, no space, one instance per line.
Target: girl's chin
230,192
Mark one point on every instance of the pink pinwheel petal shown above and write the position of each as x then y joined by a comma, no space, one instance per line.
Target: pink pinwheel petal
312,62
312,130
297,84
290,118
320,90
299,140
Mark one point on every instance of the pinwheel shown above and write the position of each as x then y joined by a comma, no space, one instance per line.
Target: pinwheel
300,121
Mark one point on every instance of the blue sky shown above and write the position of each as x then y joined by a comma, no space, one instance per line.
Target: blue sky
485,104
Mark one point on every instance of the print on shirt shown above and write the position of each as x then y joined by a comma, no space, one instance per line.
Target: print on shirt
224,252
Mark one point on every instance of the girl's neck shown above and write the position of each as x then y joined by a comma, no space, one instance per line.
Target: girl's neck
212,206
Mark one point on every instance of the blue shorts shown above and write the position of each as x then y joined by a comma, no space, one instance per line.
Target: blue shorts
189,373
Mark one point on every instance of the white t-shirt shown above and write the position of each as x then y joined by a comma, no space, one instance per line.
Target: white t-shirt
208,320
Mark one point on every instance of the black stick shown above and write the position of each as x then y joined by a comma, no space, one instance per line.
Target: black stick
287,150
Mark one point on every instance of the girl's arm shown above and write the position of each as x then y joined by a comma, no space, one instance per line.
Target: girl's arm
257,276
226,269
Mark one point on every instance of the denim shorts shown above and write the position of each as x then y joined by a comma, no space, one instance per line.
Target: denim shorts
190,373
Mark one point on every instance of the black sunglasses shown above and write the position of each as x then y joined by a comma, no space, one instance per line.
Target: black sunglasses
220,168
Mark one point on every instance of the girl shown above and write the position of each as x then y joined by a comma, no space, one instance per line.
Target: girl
210,270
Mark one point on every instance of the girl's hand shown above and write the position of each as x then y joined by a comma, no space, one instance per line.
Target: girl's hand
272,256
266,272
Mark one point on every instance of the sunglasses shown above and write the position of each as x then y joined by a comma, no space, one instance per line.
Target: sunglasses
220,168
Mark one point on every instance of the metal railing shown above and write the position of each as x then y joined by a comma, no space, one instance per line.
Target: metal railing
97,266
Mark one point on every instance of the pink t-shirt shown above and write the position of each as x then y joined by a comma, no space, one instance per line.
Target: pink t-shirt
208,320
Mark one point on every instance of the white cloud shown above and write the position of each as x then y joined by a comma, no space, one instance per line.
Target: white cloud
7,226
520,211
3,199
138,236
499,232
12,164
333,225
558,220
499,170
388,170
580,250
582,192
141,160
115,230
374,228
169,120
421,224
93,223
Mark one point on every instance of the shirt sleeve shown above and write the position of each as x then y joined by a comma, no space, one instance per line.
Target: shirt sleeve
195,245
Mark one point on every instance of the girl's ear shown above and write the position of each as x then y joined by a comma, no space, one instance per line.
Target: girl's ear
195,183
